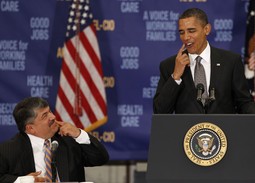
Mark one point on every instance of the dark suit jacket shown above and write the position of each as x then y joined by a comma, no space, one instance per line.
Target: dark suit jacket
16,158
227,77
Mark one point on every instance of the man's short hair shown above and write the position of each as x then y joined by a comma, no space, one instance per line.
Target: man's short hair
24,111
197,13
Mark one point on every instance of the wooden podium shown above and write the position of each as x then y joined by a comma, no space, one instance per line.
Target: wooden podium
170,161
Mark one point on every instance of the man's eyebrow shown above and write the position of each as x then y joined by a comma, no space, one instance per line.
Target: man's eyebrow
44,114
192,28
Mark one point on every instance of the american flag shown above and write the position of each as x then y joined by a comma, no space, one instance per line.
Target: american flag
250,43
81,97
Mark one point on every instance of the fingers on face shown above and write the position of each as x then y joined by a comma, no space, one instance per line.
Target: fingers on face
184,59
64,130
181,50
60,123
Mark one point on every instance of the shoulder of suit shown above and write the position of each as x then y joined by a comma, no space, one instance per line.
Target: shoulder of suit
64,139
224,52
18,142
169,60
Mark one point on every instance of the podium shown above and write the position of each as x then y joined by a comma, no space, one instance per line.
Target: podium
170,161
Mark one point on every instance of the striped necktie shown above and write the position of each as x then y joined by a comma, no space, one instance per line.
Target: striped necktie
47,159
199,77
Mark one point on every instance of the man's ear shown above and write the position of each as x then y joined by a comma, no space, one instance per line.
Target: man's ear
207,29
29,129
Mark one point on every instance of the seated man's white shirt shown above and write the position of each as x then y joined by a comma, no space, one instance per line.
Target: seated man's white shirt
38,145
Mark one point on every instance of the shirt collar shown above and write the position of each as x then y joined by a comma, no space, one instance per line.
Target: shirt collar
36,142
205,55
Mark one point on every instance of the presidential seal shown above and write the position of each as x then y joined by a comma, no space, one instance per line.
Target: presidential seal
205,144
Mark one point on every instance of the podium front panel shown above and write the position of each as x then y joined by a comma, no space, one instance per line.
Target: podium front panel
167,161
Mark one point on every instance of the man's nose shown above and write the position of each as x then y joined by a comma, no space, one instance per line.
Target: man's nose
186,36
52,116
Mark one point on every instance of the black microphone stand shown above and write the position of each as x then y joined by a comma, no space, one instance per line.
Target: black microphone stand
54,168
208,101
206,105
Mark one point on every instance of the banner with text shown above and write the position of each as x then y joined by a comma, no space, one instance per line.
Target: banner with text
133,36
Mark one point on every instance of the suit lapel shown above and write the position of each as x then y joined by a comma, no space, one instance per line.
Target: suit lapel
187,79
189,83
27,157
216,64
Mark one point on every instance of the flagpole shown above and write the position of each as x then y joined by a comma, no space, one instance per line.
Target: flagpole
77,101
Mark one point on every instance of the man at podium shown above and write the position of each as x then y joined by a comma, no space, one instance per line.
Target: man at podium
201,78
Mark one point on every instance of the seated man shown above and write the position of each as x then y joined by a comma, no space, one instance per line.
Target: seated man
25,153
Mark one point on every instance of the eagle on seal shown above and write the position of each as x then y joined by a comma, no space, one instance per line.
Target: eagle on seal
205,142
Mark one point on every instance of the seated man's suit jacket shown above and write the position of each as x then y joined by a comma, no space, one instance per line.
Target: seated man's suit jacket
16,158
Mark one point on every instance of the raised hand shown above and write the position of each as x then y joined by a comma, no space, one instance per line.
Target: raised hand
181,61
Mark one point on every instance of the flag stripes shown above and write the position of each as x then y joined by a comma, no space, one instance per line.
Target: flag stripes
81,95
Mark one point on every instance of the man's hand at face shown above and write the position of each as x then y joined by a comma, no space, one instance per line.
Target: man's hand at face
181,61
67,129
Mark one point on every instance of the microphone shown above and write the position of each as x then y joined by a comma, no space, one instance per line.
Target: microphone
212,94
54,147
210,99
200,91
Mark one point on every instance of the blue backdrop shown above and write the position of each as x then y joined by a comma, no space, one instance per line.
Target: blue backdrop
134,36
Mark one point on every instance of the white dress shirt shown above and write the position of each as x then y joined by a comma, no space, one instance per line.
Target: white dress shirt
206,62
37,146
